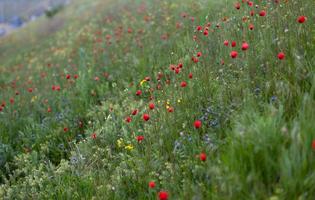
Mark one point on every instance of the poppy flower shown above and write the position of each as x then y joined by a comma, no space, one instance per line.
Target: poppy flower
183,84
226,42
30,90
251,13
199,28
93,136
301,19
68,76
146,117
11,100
233,43
199,54
139,92
151,184
128,119
262,13
163,195
49,109
177,70
140,138
170,109
190,75
151,106
1,108
134,112
203,157
245,46
180,65
313,145
250,3
281,56
206,33
65,129
75,76
233,54
251,27
237,5
197,124
96,78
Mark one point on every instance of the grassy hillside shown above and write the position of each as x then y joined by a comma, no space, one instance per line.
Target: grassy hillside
161,100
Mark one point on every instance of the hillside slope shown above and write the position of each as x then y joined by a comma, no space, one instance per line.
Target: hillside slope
164,99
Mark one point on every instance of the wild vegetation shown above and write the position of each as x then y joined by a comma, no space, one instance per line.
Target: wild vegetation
161,100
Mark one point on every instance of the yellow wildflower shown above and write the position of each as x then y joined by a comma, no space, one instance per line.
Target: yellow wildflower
34,98
143,81
120,142
129,147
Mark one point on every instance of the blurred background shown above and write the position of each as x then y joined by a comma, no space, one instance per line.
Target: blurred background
16,13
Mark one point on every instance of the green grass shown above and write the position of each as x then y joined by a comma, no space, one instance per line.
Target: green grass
257,111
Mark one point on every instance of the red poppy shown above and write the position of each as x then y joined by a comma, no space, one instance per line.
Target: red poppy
11,100
68,76
250,3
151,184
151,106
262,13
197,124
199,54
76,76
177,70
233,54
183,84
30,90
226,42
190,75
301,19
245,46
146,117
237,5
281,56
170,109
206,33
49,109
180,65
140,138
199,28
93,136
139,92
233,43
251,27
163,195
313,145
203,157
128,119
134,112
251,13
65,129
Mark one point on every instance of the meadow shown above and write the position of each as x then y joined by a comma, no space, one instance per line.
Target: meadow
181,99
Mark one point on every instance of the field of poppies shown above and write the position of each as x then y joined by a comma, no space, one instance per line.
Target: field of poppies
160,99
